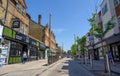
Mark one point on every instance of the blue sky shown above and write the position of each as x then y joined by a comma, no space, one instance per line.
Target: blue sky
69,17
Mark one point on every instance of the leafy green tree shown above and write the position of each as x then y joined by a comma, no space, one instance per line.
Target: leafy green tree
99,32
69,52
59,51
82,43
74,49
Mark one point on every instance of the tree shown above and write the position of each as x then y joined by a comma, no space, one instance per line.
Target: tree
82,43
69,52
100,33
59,51
74,49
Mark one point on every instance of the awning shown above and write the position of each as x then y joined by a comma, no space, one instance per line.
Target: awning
113,39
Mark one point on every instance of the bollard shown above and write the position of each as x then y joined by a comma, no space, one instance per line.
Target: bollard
108,65
91,61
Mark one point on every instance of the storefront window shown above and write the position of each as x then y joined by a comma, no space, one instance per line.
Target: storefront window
16,49
15,53
115,52
33,53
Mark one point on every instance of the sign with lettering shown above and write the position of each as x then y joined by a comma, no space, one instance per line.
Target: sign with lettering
18,37
21,37
32,41
3,56
42,46
1,32
27,40
2,61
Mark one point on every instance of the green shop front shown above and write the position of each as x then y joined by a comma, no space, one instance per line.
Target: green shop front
18,43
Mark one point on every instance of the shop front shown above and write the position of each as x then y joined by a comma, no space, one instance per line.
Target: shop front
114,42
33,47
98,52
7,37
4,47
42,51
16,43
18,46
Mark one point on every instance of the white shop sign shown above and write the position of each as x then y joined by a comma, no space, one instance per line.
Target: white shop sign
1,32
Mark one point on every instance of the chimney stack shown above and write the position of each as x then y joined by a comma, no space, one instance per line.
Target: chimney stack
39,19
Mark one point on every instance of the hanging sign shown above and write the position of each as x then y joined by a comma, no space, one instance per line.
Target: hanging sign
16,23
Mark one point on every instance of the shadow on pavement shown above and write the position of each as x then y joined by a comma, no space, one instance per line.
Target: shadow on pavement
65,67
101,73
45,65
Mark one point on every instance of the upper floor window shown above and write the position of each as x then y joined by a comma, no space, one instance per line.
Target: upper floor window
0,2
23,11
14,2
26,29
119,20
18,7
21,27
105,27
116,2
104,9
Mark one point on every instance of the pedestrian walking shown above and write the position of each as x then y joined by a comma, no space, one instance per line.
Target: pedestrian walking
110,57
24,57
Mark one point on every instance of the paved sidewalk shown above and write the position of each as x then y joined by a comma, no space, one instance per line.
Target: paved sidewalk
98,65
33,65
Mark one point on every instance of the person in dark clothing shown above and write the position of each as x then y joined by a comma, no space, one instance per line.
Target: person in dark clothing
110,57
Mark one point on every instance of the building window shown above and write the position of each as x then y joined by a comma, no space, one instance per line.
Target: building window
21,27
116,2
25,30
18,7
0,2
14,2
119,29
15,49
23,11
104,9
119,20
105,27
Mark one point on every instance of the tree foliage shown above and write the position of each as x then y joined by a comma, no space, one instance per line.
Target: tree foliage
99,32
74,49
82,43
96,30
59,50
